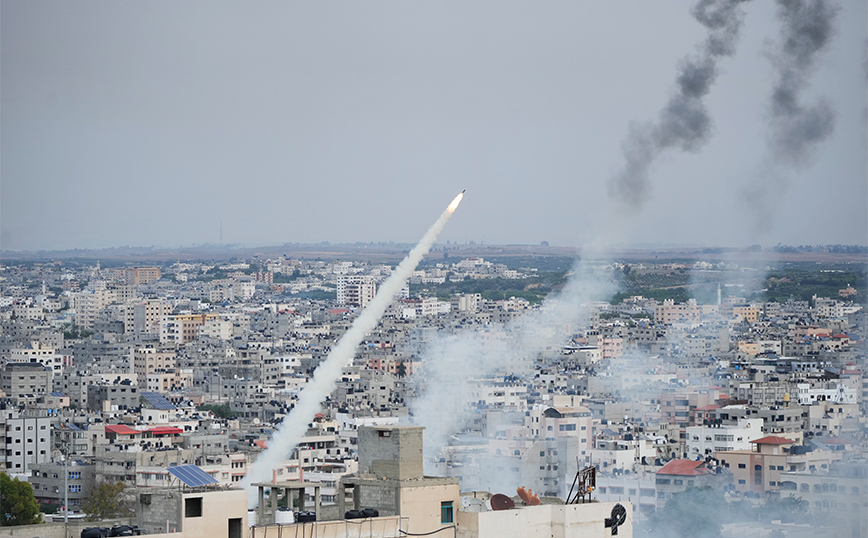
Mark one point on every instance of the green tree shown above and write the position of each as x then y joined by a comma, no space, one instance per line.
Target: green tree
402,369
74,332
18,506
106,500
787,509
220,411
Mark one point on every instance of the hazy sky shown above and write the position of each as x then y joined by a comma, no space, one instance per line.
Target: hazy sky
150,123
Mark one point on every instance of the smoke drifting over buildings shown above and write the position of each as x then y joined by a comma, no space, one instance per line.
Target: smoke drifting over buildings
324,381
807,27
455,362
684,122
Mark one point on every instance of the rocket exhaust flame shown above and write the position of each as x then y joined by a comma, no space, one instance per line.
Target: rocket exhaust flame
453,205
324,380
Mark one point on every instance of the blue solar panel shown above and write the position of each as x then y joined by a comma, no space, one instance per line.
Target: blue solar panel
192,475
157,401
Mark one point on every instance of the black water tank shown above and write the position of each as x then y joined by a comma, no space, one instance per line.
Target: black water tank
371,512
95,532
306,517
124,530
353,514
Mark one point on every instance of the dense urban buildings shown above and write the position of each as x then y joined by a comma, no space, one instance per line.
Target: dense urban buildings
122,374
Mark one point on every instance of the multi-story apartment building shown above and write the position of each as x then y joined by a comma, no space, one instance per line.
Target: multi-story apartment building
144,316
87,305
183,328
170,379
141,275
48,483
355,290
27,441
670,313
841,491
150,359
705,441
759,471
38,353
112,396
19,379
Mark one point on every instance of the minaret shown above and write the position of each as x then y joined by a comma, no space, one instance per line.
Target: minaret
718,294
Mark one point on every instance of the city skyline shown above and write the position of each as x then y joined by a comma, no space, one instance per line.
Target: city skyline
177,125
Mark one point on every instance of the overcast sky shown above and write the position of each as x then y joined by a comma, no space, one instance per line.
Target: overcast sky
150,123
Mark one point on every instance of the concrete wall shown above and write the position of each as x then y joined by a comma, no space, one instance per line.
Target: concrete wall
164,508
218,508
57,530
378,527
382,497
422,505
556,521
391,451
158,511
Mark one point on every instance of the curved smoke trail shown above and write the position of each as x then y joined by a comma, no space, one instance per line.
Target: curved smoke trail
684,123
324,381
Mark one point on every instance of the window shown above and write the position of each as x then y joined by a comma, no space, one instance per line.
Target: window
446,512
741,465
193,507
235,528
75,488
758,475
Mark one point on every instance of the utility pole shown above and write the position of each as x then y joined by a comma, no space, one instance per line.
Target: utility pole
65,494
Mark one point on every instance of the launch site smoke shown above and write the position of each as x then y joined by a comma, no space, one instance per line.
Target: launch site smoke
684,123
324,380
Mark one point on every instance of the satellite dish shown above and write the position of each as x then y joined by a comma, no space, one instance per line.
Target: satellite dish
473,504
499,501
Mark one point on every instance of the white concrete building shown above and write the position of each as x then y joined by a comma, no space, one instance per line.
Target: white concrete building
705,441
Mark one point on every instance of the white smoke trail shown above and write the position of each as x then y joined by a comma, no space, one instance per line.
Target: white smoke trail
324,381
455,361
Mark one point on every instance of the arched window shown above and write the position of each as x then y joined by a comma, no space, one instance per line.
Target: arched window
805,487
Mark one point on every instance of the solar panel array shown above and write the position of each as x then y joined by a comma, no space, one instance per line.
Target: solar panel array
192,475
157,401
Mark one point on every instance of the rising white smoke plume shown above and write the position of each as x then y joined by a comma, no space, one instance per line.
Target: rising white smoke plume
454,361
324,381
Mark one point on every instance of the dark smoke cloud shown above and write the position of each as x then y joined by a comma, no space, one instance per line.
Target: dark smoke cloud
684,122
807,27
